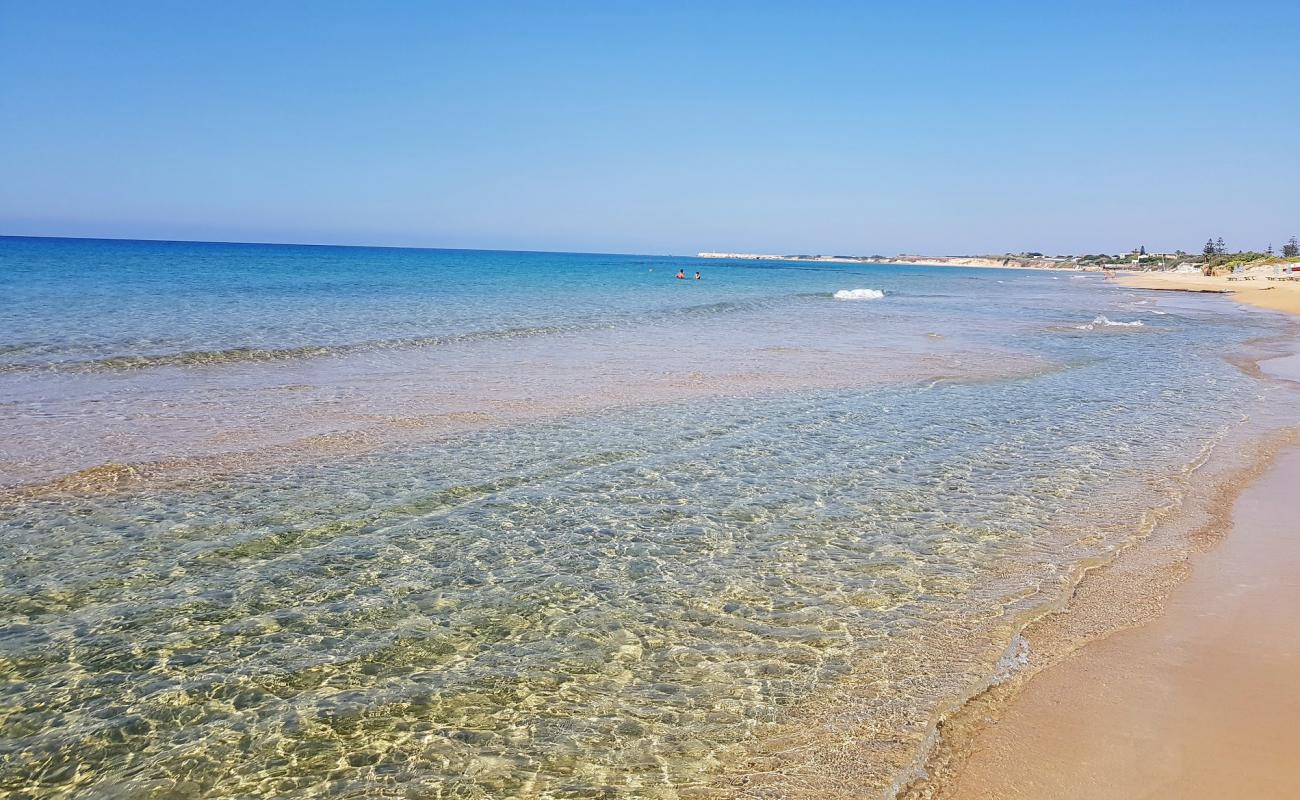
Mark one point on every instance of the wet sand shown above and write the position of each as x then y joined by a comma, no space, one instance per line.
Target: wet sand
1275,295
1173,672
1201,702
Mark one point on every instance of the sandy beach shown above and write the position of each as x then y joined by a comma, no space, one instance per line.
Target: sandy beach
1182,688
429,402
1275,295
593,531
1199,703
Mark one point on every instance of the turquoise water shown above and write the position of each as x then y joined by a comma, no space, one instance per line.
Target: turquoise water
651,523
79,304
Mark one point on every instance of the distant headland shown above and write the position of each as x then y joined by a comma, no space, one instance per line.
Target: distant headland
1215,259
1011,261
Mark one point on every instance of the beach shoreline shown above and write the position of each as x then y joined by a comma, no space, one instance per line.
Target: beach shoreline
1272,295
1104,596
1089,714
974,262
989,746
774,553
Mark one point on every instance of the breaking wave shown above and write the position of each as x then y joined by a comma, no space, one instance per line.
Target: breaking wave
858,294
1104,322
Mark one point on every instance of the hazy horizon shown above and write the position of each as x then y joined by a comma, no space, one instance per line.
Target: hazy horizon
936,129
528,250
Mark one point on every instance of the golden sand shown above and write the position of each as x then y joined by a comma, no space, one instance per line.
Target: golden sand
1275,295
1172,673
1201,702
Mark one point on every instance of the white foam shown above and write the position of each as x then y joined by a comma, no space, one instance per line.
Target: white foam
1104,322
1013,660
858,294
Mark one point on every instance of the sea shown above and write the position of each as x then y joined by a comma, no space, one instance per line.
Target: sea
349,522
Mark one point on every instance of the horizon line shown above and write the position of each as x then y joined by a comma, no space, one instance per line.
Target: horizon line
345,246
511,250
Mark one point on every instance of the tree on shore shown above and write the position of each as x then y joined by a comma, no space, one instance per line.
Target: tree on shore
1291,249
1209,249
1219,247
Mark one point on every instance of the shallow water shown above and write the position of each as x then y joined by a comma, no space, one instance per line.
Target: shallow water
597,595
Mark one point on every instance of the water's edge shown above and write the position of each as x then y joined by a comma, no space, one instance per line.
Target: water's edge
772,553
1107,596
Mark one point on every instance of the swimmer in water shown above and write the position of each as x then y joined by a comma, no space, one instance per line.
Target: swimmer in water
681,274
697,276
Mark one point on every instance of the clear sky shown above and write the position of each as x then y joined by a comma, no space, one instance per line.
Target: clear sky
943,127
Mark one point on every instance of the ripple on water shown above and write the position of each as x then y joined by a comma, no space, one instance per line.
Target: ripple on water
622,602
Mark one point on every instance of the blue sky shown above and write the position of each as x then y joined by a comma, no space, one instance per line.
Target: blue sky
946,127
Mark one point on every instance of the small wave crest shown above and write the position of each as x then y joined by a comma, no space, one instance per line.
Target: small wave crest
1103,321
39,356
188,358
858,294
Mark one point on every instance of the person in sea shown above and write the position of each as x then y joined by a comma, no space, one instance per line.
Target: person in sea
697,276
681,274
